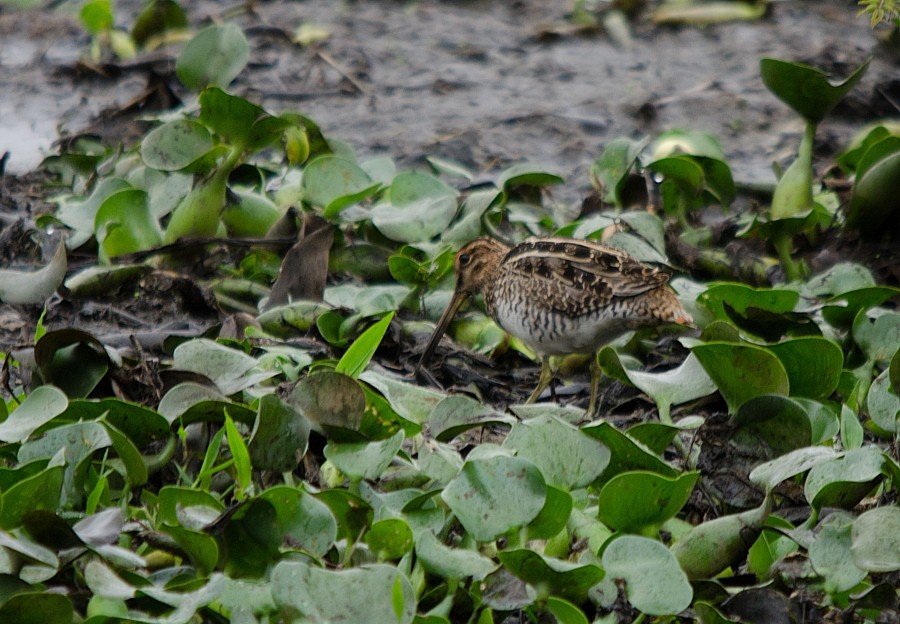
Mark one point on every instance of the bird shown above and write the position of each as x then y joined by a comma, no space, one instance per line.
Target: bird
561,296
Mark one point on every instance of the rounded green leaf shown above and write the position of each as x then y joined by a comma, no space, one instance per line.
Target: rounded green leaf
875,189
334,183
376,594
390,538
215,56
876,539
304,521
364,460
879,338
451,563
813,365
774,422
883,403
330,400
230,369
565,612
42,405
252,215
279,437
526,174
640,502
37,608
494,495
846,480
554,515
124,225
566,457
773,472
176,145
456,414
32,492
654,582
552,577
742,371
421,207
415,222
830,554
627,453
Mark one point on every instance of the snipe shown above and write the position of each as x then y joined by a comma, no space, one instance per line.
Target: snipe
561,296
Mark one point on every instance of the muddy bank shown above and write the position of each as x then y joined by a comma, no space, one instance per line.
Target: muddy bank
480,82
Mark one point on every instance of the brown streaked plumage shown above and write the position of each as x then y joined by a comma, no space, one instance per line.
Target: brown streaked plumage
560,296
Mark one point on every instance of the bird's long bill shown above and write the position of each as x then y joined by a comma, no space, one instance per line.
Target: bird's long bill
441,327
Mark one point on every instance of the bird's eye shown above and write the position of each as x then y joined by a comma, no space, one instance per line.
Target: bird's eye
464,259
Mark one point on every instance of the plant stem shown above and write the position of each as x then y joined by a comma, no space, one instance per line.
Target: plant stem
784,244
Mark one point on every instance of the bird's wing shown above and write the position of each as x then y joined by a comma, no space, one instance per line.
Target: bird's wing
581,276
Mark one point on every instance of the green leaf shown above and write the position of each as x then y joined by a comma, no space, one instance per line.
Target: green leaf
333,183
252,538
362,594
41,406
451,563
813,365
640,502
279,437
241,456
565,612
97,16
830,554
304,522
879,339
552,577
421,208
876,540
215,56
884,404
554,515
773,422
528,175
876,182
769,474
685,383
40,491
79,442
237,121
844,481
456,414
332,401
34,287
495,494
626,453
390,538
358,355
157,18
230,369
566,457
124,225
611,170
742,371
364,460
37,608
654,582
176,145
806,89
413,402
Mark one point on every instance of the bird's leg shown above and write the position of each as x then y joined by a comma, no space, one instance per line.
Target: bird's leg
596,373
546,378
